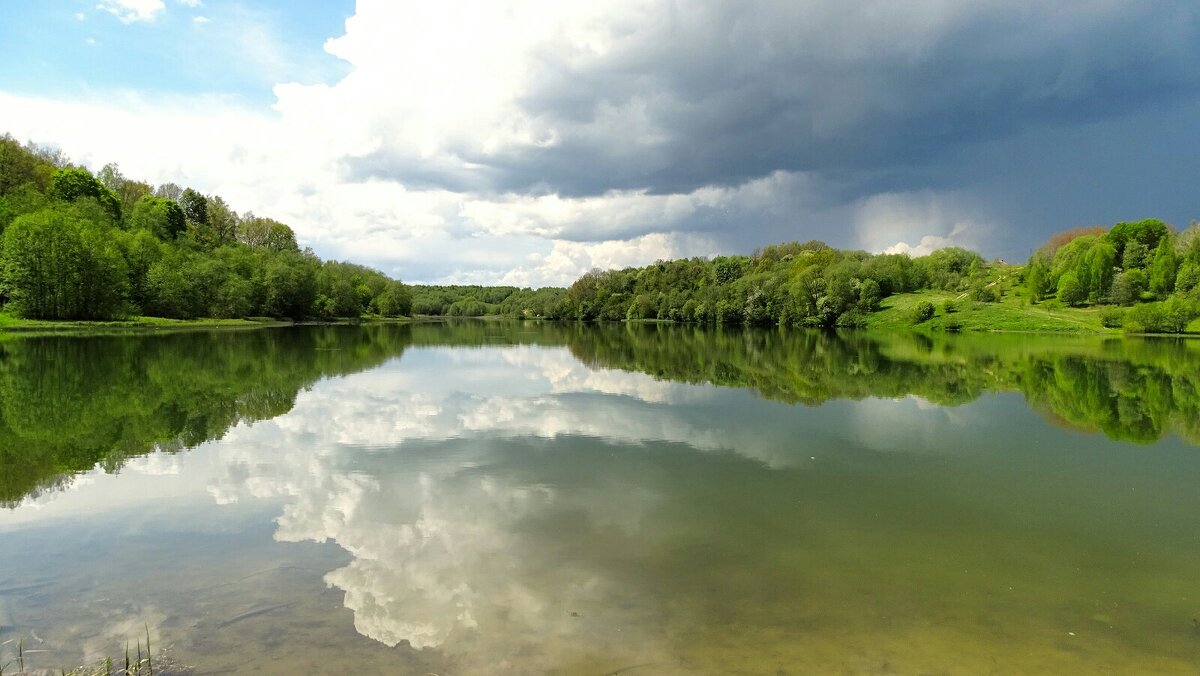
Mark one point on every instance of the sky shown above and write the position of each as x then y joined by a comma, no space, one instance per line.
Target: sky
525,142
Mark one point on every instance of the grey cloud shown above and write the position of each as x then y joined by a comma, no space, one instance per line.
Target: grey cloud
876,91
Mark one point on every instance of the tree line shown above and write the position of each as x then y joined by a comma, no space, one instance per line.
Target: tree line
795,284
77,245
74,245
1144,276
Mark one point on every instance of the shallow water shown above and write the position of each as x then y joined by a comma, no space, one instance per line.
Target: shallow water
529,498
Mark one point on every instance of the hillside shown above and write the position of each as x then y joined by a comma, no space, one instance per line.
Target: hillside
78,246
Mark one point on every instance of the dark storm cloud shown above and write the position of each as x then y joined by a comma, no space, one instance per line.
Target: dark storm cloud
875,94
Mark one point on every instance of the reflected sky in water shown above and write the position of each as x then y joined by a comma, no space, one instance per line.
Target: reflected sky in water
509,508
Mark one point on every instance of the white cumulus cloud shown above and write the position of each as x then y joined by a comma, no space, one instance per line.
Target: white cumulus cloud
130,11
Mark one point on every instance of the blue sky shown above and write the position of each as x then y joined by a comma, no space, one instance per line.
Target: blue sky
527,141
238,49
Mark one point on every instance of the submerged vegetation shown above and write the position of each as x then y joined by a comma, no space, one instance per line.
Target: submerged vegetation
79,246
138,660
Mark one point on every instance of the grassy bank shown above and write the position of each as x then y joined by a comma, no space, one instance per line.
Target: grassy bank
953,312
10,323
1007,310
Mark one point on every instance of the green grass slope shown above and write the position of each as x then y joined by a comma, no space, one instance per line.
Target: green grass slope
1012,311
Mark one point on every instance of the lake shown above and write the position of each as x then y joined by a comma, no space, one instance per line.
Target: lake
479,497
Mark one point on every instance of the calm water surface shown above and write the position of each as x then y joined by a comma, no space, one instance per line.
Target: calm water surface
523,498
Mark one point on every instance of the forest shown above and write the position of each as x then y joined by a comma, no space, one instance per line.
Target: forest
1141,276
809,284
95,247
91,247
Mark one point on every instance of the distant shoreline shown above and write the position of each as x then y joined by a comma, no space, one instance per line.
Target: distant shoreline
140,325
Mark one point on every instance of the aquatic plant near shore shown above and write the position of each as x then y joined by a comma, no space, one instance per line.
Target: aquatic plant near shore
139,662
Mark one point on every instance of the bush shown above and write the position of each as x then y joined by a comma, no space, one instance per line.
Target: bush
853,318
949,307
922,312
985,294
1147,318
1113,318
1173,316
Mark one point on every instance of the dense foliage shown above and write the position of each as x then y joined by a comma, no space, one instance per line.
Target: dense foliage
79,246
488,301
795,284
1145,266
1147,272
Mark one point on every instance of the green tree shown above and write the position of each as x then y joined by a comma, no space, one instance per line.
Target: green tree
158,216
729,268
266,233
869,295
1127,287
1163,269
394,301
18,167
58,265
1145,233
222,220
23,199
176,286
1188,277
141,250
1071,290
1037,276
948,268
1136,255
195,207
290,284
73,184
128,192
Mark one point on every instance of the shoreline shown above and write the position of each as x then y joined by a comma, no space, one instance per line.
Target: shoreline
31,327
34,327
